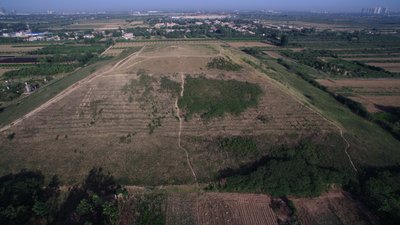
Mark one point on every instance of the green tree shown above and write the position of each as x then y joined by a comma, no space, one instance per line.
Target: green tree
284,40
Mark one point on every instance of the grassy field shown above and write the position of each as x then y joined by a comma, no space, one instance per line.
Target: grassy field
368,140
213,98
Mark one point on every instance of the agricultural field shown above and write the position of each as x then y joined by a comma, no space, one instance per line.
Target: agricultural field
374,94
204,208
17,49
334,208
392,67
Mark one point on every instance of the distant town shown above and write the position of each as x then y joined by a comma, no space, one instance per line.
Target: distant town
163,25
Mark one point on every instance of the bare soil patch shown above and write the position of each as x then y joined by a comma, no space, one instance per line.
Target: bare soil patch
392,67
334,208
19,49
371,59
2,71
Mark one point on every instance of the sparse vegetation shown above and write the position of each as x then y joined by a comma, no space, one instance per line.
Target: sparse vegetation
150,209
171,86
222,63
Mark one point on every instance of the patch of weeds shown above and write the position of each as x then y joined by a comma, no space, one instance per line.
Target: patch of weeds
126,139
213,98
222,63
239,146
171,86
11,136
155,123
95,110
263,118
149,209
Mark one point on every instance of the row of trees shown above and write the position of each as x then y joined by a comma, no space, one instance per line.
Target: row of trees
26,199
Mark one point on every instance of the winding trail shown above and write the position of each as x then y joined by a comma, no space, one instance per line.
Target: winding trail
341,134
329,121
283,88
180,128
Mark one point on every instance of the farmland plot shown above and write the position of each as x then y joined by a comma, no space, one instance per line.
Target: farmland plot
372,93
333,208
219,208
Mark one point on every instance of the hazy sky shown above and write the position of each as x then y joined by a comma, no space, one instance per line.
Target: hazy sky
125,5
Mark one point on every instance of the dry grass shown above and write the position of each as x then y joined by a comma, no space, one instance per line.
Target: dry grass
2,71
99,124
392,67
20,49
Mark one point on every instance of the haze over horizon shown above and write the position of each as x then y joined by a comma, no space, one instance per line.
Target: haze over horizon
127,5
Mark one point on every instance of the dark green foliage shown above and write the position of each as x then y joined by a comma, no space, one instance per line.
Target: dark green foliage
93,202
380,189
150,209
81,59
171,86
154,124
100,182
11,136
222,63
252,51
284,40
239,146
354,106
40,70
24,198
69,49
389,119
299,171
213,98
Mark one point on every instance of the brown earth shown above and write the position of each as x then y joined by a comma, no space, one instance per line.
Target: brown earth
219,208
2,71
333,208
371,59
392,67
369,92
100,123
13,49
